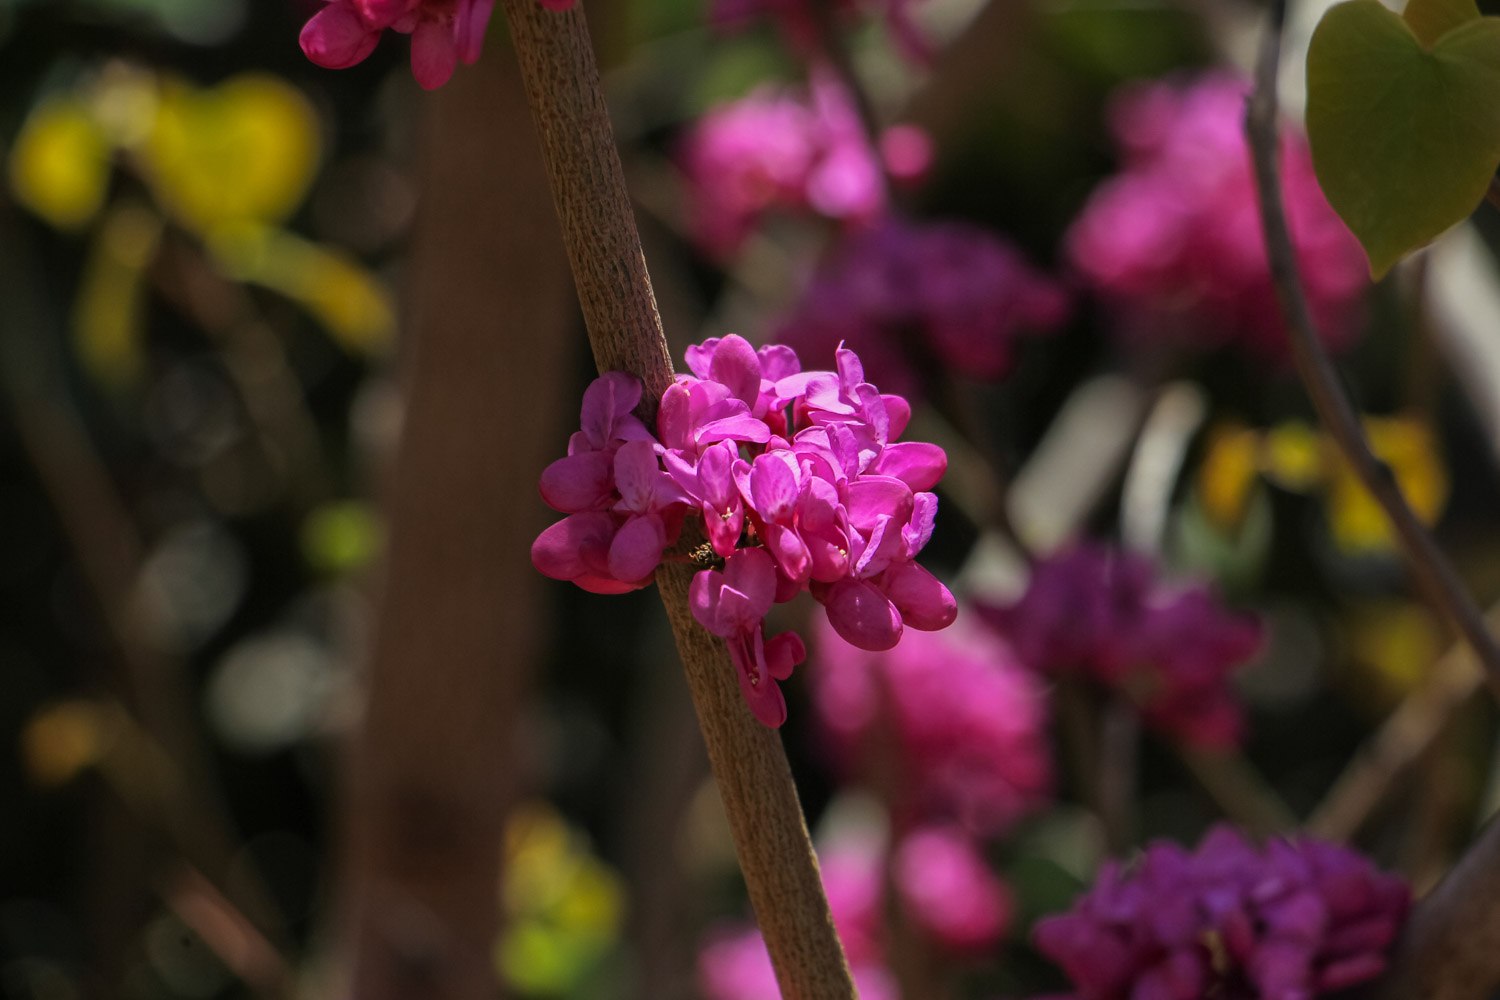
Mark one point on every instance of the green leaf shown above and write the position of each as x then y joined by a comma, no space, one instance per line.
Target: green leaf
1430,20
1404,139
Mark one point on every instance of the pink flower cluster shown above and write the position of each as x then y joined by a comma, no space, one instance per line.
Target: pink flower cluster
949,726
1290,922
798,22
776,150
909,296
1173,241
801,484
946,891
443,33
1169,651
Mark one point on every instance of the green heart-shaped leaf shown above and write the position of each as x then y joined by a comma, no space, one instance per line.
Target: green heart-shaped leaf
1430,20
1404,138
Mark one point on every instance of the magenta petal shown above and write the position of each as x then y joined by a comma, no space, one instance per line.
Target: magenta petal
921,598
337,37
747,651
777,361
473,18
579,482
636,475
783,652
572,546
700,357
791,552
724,528
751,573
637,547
434,54
862,616
773,488
703,598
385,13
872,498
738,427
916,463
898,413
736,365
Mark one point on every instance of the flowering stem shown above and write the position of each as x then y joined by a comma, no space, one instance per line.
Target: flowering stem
1434,574
1447,950
619,308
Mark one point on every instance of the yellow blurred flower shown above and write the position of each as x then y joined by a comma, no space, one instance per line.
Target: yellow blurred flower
244,151
1229,470
61,740
61,162
563,906
109,308
1408,448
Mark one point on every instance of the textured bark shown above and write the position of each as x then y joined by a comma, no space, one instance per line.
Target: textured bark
456,632
609,269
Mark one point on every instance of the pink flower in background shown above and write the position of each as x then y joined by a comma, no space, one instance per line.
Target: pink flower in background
1169,651
908,296
950,725
1173,241
1292,921
777,150
798,23
801,485
944,887
949,892
443,33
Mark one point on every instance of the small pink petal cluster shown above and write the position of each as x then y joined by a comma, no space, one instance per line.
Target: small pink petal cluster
799,25
1293,921
801,484
1173,241
1168,651
945,888
443,33
775,150
952,724
911,296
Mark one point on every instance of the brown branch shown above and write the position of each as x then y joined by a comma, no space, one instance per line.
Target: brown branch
1434,575
619,308
1447,951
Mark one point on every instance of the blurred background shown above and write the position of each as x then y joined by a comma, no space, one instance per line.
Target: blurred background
285,710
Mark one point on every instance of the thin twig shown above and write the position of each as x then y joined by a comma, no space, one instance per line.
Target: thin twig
1447,950
1434,574
619,308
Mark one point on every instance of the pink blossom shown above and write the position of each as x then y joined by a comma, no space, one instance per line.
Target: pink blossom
951,724
1173,241
1294,920
1169,651
949,892
801,486
911,296
781,150
443,33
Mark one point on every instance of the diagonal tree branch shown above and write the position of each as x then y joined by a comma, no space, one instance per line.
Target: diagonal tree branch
1434,575
1448,949
619,308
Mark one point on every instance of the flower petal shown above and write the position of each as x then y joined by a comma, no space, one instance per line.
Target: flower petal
434,53
337,37
579,482
861,615
921,598
637,547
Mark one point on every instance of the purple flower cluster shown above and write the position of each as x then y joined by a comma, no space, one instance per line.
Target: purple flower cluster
1169,651
1174,243
945,889
908,296
1293,921
801,485
443,33
778,151
949,726
798,22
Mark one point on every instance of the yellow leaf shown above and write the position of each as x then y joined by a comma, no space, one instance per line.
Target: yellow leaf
1226,476
108,312
1294,457
1407,446
344,297
60,164
245,151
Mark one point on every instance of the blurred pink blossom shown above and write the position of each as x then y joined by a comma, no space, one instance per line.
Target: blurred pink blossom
946,725
908,295
1173,242
1169,651
1295,920
779,150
